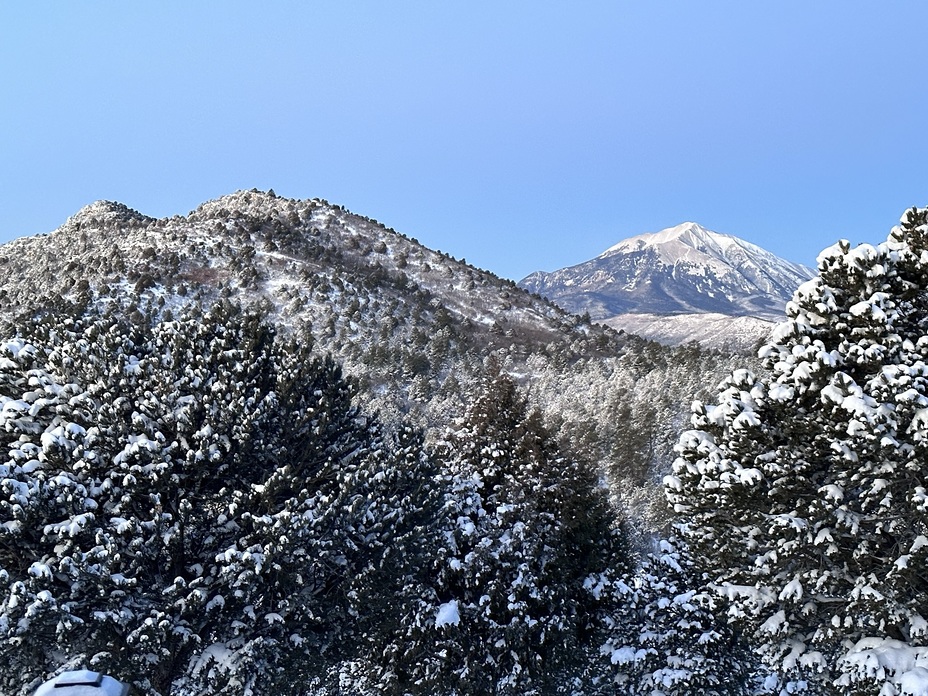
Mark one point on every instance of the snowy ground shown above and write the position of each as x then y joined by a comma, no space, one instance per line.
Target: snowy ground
739,334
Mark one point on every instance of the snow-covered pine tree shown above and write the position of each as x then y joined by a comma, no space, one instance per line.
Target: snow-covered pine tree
803,493
183,502
402,507
668,638
529,531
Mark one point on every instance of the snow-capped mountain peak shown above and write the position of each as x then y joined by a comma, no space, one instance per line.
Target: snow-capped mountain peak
681,269
692,242
690,234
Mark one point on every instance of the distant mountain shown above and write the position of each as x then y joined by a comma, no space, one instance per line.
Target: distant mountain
680,270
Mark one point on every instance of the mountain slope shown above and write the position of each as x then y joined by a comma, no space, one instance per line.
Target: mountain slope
682,269
414,327
715,331
351,283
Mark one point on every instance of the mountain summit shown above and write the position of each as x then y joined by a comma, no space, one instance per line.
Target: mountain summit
680,270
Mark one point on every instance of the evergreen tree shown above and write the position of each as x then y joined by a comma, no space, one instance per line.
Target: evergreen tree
802,493
528,533
393,599
193,504
668,638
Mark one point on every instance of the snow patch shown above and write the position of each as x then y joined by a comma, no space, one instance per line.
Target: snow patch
448,613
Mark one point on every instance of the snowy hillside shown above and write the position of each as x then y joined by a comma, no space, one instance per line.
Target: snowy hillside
682,269
718,331
414,326
428,503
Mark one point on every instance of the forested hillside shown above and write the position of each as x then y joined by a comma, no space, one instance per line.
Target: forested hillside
413,326
194,503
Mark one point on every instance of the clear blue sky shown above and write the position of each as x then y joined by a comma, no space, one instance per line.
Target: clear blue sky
520,135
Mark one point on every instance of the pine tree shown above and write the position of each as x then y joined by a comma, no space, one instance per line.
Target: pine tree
528,531
668,638
802,493
193,504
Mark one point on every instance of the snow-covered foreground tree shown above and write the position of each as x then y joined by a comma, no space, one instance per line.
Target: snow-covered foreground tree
528,536
667,638
803,494
193,504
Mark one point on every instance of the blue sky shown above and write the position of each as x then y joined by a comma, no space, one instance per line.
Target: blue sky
521,135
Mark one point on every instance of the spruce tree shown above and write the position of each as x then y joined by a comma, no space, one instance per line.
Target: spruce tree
802,492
